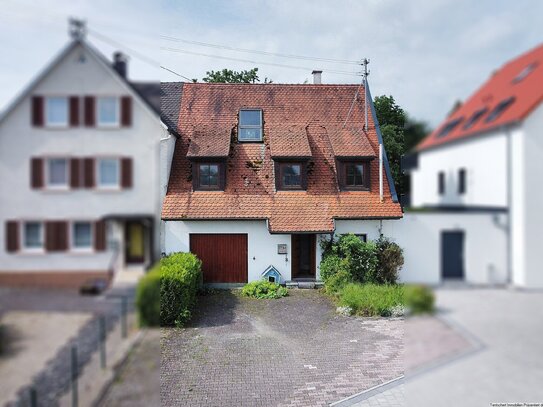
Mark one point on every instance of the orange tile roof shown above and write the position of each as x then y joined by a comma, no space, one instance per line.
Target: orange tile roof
519,79
318,110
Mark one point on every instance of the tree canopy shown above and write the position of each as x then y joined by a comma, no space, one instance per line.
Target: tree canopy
231,76
400,135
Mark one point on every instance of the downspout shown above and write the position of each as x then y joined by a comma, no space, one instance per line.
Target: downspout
380,172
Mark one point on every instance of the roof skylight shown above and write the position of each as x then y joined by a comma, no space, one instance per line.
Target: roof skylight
475,117
525,72
499,109
449,127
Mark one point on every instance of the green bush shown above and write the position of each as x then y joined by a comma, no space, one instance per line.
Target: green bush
389,261
148,298
166,295
180,280
331,265
336,282
371,300
419,299
363,262
264,289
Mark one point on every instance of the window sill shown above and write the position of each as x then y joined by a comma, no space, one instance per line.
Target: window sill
32,252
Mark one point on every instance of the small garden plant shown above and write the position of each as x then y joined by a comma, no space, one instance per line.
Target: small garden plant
263,289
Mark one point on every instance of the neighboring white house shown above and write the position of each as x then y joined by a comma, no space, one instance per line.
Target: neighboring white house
261,172
476,205
80,192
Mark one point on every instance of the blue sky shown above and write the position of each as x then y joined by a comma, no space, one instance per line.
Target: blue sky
427,54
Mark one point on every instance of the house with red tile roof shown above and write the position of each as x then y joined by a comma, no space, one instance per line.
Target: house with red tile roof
477,176
262,172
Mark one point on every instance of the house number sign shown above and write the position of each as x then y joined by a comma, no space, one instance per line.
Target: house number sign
282,249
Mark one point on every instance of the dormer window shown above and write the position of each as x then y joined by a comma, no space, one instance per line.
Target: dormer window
250,125
208,176
290,176
354,175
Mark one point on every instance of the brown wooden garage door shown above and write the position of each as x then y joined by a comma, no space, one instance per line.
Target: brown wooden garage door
224,256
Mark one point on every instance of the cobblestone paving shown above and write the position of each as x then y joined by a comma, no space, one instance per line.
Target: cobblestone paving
290,352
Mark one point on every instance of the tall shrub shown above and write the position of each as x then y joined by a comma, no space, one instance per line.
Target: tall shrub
390,260
180,279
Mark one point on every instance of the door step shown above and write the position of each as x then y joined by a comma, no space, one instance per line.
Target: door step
308,285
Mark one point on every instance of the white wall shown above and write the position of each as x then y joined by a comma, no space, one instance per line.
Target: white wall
262,250
528,202
485,245
19,141
262,246
485,160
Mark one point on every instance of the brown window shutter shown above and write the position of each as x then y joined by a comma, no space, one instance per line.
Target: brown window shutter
90,111
75,172
100,236
50,236
126,173
56,236
12,236
36,173
74,111
37,111
88,171
126,111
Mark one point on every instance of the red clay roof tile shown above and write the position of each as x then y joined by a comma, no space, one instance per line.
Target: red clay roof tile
250,186
519,79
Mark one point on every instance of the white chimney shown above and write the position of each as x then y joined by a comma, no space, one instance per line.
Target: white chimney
316,77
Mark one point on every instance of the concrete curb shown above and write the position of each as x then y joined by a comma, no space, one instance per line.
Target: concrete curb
366,394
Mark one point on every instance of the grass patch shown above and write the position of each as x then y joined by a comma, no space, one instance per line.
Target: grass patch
370,300
264,290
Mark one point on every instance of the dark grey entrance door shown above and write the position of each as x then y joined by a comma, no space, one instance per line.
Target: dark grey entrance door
452,254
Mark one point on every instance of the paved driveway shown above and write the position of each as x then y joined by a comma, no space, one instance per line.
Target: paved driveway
294,351
502,362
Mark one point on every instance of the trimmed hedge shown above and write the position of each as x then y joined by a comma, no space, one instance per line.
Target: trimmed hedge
167,294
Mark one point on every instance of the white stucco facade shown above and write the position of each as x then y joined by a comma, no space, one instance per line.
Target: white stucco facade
483,158
79,72
262,245
503,167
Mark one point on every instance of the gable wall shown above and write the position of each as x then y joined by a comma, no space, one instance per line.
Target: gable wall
19,141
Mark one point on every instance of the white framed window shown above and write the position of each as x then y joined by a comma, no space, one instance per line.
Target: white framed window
56,111
250,125
82,233
107,111
57,173
108,175
33,236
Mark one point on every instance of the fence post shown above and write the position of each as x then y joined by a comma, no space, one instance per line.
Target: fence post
102,334
75,397
33,397
124,311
